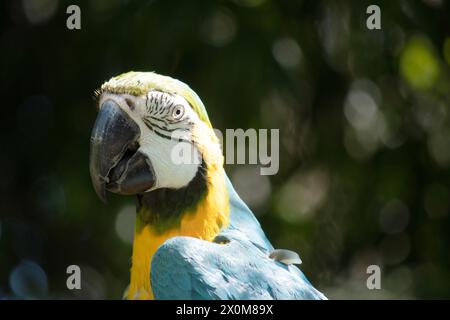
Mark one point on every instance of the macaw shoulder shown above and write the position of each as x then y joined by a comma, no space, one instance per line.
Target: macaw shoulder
190,268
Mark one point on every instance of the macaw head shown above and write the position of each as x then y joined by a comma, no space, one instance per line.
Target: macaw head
151,132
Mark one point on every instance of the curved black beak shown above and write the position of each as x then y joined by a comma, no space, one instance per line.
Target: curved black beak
115,163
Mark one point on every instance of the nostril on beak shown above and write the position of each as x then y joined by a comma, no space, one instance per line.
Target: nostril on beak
130,103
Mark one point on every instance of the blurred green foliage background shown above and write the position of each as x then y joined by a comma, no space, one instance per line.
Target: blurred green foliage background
364,124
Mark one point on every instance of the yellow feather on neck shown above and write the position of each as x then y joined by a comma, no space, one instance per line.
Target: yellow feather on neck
203,221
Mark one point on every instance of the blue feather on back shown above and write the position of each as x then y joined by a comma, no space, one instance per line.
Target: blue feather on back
190,268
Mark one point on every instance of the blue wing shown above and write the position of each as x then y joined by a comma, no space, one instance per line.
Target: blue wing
190,268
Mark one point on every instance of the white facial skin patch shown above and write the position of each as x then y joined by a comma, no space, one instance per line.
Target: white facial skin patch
165,122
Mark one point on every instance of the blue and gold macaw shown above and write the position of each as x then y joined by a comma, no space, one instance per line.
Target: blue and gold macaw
194,237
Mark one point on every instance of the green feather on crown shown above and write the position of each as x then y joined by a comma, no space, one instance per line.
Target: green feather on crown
139,83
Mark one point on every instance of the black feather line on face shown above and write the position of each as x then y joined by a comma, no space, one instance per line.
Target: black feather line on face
153,127
158,119
147,106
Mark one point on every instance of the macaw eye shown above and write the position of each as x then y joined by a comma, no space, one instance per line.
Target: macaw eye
178,112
